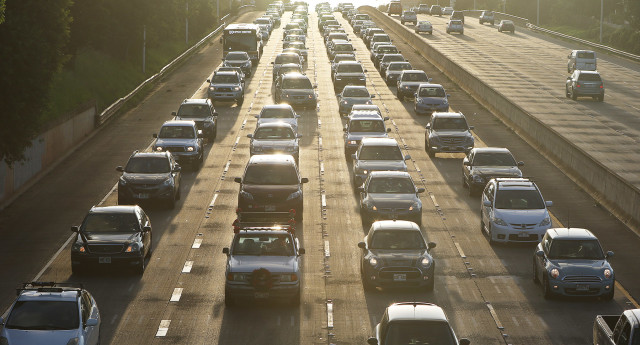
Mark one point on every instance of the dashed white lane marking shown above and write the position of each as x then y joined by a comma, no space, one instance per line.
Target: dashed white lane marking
330,314
163,328
495,316
319,122
324,200
433,198
196,243
322,168
460,250
320,142
237,140
226,167
187,267
244,122
213,201
327,251
177,293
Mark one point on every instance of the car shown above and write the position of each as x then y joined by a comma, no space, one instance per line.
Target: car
264,32
357,26
370,33
513,210
149,176
202,112
366,108
387,59
293,31
415,323
338,58
353,94
571,262
302,23
183,139
304,52
375,154
239,59
423,9
285,58
485,163
287,68
581,59
393,71
446,11
448,132
278,113
435,10
395,7
295,38
585,84
340,47
266,21
381,50
348,73
290,26
486,17
335,36
430,98
423,26
366,125
238,70
366,25
390,195
52,313
296,89
506,25
112,236
226,86
408,17
456,15
408,83
455,26
271,183
275,138
383,38
263,265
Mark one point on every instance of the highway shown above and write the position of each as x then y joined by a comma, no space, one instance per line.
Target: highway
486,290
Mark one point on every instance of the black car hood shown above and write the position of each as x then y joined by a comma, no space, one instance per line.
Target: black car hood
349,75
497,170
391,200
110,237
145,178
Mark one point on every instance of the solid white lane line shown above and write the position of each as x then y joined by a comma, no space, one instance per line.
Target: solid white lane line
226,167
113,189
213,201
322,168
187,267
327,252
330,314
324,200
163,328
460,250
495,316
196,243
37,277
177,293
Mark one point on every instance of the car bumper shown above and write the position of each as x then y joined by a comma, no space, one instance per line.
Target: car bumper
186,157
413,216
277,292
136,193
588,92
397,276
441,148
581,288
106,260
270,206
225,96
508,234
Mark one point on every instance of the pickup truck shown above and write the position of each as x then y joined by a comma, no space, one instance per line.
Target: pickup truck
617,329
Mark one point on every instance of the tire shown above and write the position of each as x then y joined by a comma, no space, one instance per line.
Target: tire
366,285
240,101
432,282
573,95
178,193
566,92
464,182
534,276
491,240
142,266
431,153
171,203
295,300
601,98
472,191
492,23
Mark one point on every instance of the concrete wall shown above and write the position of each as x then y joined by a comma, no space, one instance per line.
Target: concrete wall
44,152
614,192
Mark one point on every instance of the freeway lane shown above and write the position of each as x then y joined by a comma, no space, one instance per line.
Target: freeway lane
469,271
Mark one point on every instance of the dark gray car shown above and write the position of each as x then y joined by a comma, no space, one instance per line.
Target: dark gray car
585,84
366,125
484,163
393,71
390,195
183,140
274,138
448,132
377,154
408,82
351,95
387,59
239,59
202,112
295,89
348,73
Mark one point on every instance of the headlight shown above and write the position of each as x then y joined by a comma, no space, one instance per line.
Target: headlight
133,248
499,221
78,247
294,195
373,261
425,262
285,95
374,208
72,341
554,273
289,277
246,195
158,148
416,206
122,181
362,78
365,171
344,102
237,88
190,149
607,273
168,181
478,178
406,87
368,102
545,221
211,88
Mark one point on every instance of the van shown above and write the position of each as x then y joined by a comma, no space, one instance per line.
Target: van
395,7
457,15
582,60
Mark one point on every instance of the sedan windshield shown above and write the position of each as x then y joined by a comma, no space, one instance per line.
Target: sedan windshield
355,92
350,68
44,315
450,124
394,185
237,56
194,110
385,153
375,126
415,77
147,165
389,58
497,159
296,83
519,200
276,113
343,47
277,174
397,239
274,133
110,222
177,132
224,79
399,66
419,333
263,244
431,92
576,249
287,58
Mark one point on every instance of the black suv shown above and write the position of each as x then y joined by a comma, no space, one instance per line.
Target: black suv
202,112
457,15
147,176
348,73
112,235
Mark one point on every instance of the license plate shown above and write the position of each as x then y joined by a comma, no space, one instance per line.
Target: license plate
582,287
399,277
270,208
261,295
104,260
143,196
523,234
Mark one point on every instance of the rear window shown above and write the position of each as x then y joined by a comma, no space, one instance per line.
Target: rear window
589,77
586,55
276,113
297,83
366,126
350,68
289,58
355,92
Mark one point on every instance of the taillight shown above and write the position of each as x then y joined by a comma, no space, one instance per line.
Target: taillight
601,86
577,84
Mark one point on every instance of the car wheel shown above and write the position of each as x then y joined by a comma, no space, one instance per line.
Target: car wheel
464,182
141,267
546,289
492,23
178,193
534,276
600,98
473,191
366,284
574,96
491,240
566,92
240,101
431,153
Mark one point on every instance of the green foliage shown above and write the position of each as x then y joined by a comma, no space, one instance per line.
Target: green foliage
2,9
32,41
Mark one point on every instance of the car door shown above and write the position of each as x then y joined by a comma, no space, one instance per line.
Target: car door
90,333
466,169
146,235
541,261
487,211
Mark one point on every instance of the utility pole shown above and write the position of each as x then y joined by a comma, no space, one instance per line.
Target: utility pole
186,30
601,18
144,48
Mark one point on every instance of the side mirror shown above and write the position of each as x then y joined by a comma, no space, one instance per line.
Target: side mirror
298,136
360,189
539,253
569,78
301,251
119,168
386,118
209,81
91,323
362,245
373,96
466,162
353,156
372,341
407,157
315,86
250,136
464,341
256,116
344,129
609,254
471,128
548,203
225,250
388,130
421,190
75,228
177,168
304,180
146,229
237,180
448,96
428,126
272,62
431,245
430,79
486,203
215,114
155,135
173,113
521,163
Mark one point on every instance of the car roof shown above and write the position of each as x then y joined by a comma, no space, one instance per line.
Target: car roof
274,124
286,54
237,52
349,63
379,142
430,85
126,209
175,123
366,115
277,106
491,150
394,225
381,173
258,232
362,107
571,233
414,71
150,154
355,87
272,159
294,75
415,311
515,183
196,101
448,115
34,295
226,72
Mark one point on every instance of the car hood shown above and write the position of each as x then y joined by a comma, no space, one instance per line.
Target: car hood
392,200
397,256
270,189
375,165
118,237
274,143
176,142
225,85
356,100
432,100
412,84
272,263
451,134
30,337
349,75
298,92
145,178
570,267
522,216
360,135
497,170
289,120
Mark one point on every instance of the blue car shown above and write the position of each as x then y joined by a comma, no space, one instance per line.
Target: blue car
571,262
430,98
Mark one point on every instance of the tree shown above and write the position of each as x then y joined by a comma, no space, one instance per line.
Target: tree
32,40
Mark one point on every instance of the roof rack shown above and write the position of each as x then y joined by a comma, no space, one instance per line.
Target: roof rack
414,303
265,221
50,287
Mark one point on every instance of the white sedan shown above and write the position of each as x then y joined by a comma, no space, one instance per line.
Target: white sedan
424,26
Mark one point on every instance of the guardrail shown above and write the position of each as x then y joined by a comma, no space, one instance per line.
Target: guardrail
117,105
